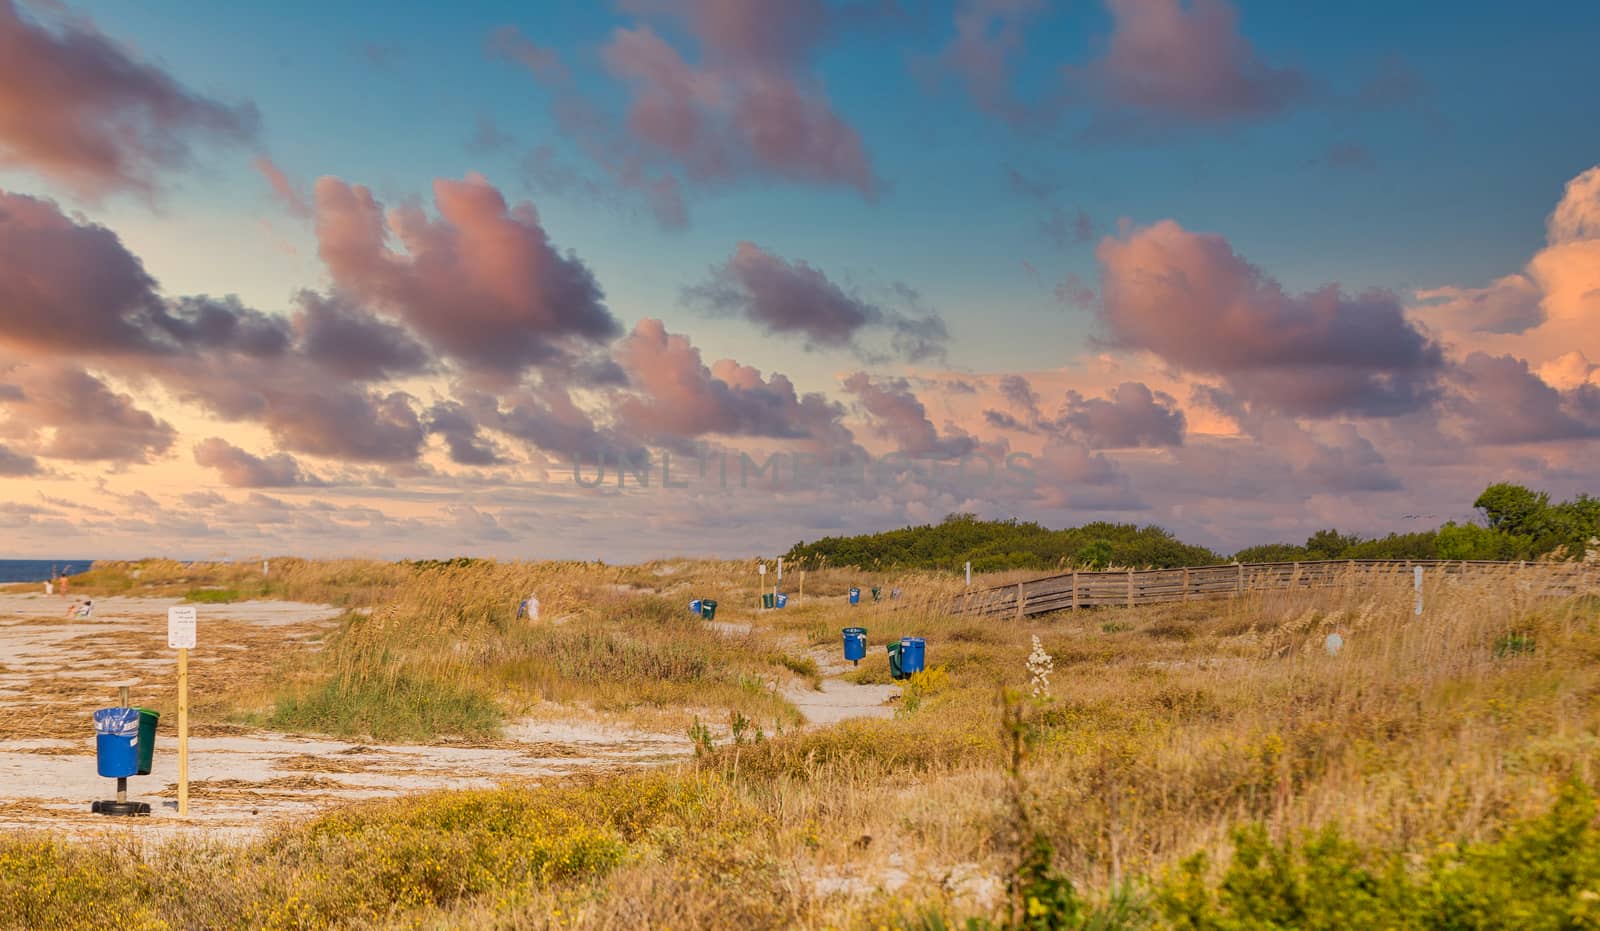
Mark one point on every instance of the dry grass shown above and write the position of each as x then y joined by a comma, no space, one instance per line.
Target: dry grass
1166,728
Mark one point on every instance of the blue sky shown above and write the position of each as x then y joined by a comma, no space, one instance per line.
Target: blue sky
1424,146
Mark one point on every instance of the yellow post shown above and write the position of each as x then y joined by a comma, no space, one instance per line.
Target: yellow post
183,733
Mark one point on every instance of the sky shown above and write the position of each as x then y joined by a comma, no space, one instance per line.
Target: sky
651,278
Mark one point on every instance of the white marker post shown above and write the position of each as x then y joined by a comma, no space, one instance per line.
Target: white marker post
180,637
761,570
778,584
1419,588
969,575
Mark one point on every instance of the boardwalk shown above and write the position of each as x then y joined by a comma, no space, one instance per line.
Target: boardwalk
1129,588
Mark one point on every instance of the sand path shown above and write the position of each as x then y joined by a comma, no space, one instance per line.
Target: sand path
55,671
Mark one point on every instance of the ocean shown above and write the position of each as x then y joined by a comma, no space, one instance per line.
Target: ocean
38,570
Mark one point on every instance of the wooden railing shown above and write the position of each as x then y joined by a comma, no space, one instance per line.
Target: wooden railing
1132,587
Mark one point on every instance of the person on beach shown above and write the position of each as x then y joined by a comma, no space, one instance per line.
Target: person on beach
49,586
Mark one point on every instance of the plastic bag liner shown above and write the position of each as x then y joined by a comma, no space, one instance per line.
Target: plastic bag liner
119,722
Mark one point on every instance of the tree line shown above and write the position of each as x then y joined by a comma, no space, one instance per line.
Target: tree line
1516,523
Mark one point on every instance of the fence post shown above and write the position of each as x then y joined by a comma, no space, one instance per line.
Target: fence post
1294,579
1185,583
1019,601
1240,577
1130,588
1074,589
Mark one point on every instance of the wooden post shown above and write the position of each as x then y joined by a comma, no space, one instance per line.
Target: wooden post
1019,601
1074,589
1294,580
1130,588
122,781
1185,583
802,595
1240,581
183,733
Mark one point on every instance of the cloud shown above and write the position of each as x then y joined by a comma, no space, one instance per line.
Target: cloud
679,397
1551,308
1190,300
750,108
1506,403
1131,416
898,414
1512,304
348,340
1177,62
785,297
71,287
989,39
76,107
287,192
462,437
71,414
13,463
244,470
487,137
482,284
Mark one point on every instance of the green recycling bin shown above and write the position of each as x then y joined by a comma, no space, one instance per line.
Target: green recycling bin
147,738
894,660
708,609
767,599
877,593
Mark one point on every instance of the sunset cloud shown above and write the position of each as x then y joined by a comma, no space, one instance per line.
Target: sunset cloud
1183,61
482,283
784,297
77,107
243,470
1195,303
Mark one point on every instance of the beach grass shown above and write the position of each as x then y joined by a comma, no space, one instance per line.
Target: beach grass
1199,765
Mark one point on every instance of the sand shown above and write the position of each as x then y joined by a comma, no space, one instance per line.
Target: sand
55,671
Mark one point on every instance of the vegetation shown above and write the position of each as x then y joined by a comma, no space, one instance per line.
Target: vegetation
1518,523
1201,765
998,545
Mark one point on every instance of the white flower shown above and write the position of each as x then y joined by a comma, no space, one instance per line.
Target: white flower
1040,666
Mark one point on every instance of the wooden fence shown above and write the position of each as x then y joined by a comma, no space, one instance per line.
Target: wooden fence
1128,588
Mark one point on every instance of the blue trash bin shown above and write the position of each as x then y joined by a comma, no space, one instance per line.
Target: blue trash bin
694,607
855,596
116,742
913,654
855,644
782,600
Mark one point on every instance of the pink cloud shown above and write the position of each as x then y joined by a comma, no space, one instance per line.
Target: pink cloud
1191,300
750,108
287,192
67,413
901,416
76,107
243,470
482,283
1171,60
784,297
679,397
989,39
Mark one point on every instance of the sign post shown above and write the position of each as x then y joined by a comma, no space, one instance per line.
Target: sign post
180,637
1418,585
969,575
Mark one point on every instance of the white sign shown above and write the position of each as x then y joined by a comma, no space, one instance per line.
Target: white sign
762,569
180,627
780,568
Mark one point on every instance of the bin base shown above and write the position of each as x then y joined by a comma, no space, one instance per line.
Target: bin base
120,808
